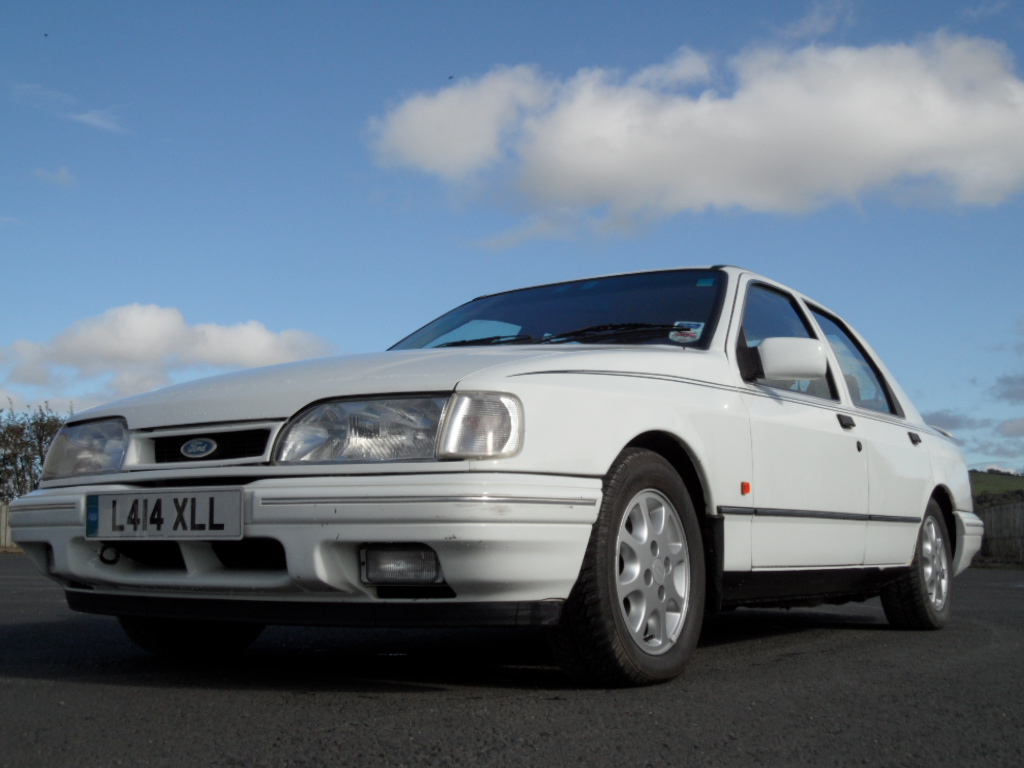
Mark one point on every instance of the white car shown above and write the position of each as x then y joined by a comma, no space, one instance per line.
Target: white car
610,457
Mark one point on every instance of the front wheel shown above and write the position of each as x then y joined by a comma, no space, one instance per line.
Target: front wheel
635,614
920,599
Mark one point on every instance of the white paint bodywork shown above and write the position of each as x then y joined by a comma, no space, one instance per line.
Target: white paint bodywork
516,529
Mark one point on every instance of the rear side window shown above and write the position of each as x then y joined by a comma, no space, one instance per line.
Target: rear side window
863,379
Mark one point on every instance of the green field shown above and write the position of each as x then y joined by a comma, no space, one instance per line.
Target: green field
991,489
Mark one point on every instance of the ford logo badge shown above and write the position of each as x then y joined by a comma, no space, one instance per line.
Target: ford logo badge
199,448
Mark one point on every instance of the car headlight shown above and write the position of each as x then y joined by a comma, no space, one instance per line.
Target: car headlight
86,449
385,429
471,425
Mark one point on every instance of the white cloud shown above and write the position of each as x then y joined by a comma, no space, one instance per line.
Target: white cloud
64,105
46,99
954,420
62,176
686,67
459,130
822,18
799,129
1009,388
135,348
1011,428
101,119
985,466
986,10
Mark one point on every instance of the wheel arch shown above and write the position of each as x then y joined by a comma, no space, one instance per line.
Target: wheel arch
682,459
942,496
677,453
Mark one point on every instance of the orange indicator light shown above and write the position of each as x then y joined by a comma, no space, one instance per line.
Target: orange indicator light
744,488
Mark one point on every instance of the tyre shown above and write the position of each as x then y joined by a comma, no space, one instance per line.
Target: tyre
186,638
920,598
635,613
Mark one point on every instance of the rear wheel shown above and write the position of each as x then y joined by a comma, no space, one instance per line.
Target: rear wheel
920,599
187,638
635,614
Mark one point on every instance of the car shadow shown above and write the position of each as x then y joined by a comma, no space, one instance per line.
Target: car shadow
93,649
749,624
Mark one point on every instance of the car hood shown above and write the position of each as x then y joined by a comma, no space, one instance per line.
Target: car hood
277,392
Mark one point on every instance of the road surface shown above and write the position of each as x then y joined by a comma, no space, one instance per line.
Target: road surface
817,687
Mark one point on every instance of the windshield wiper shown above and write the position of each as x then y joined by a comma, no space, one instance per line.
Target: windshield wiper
609,329
488,340
590,333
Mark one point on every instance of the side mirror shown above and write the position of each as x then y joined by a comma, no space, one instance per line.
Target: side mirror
791,359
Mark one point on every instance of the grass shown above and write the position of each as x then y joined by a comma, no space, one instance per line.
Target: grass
987,482
992,489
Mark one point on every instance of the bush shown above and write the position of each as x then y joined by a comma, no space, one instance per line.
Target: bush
24,440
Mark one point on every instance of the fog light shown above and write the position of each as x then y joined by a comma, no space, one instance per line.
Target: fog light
400,564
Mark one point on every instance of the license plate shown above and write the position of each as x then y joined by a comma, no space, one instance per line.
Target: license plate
165,515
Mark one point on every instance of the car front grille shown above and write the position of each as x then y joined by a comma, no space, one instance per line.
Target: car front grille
243,444
257,554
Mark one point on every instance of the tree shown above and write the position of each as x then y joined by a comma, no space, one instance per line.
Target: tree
24,440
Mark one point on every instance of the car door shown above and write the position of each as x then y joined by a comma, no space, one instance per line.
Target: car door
809,487
899,468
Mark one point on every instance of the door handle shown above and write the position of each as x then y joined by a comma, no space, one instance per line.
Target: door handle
846,422
914,438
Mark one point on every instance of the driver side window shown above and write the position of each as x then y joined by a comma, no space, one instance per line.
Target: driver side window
771,313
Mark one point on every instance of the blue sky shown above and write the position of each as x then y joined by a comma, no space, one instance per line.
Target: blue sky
191,187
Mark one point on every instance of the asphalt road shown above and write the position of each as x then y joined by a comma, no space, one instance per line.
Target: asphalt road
817,687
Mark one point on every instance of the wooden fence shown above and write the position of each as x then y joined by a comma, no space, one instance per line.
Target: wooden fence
1004,533
5,529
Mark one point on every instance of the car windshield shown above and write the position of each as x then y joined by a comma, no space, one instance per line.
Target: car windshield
678,307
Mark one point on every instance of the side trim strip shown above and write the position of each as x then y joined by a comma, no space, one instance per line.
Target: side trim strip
803,513
763,391
893,519
42,506
810,514
297,500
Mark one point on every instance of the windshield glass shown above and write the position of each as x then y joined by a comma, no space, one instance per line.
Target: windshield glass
678,307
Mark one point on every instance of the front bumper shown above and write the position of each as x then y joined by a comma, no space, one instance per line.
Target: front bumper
505,543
